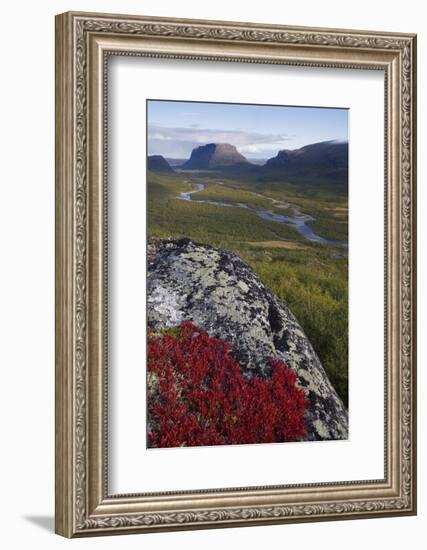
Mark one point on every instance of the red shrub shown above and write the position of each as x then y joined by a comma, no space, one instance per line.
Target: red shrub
198,395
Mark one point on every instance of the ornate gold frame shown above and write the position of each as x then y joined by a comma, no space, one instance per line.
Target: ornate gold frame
83,41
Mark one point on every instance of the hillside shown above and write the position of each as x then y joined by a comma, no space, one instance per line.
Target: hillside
327,159
157,163
309,277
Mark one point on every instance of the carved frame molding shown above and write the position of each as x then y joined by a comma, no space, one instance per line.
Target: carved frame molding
83,42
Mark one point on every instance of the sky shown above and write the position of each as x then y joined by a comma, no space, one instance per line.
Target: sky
175,128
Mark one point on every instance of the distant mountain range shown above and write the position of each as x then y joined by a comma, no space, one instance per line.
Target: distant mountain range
326,161
177,162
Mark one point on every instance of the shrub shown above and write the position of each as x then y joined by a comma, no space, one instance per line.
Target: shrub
197,395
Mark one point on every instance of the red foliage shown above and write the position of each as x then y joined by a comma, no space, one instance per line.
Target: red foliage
199,396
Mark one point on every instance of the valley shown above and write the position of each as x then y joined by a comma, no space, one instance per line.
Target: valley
291,229
278,211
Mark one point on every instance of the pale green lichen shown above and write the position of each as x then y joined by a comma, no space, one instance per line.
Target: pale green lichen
307,377
321,429
243,286
199,255
203,275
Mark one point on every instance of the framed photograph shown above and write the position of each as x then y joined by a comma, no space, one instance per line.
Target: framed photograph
235,274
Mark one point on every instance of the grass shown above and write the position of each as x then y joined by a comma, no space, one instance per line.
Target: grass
334,230
329,209
277,244
314,286
218,192
310,279
171,217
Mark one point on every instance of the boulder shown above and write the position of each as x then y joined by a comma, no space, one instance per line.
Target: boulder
221,294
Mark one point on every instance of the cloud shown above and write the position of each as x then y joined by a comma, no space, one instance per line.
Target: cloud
179,142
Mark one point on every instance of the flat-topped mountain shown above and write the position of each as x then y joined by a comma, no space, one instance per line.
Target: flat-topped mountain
157,163
328,159
214,155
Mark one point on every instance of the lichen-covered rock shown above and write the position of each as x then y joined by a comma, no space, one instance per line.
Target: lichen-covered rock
221,294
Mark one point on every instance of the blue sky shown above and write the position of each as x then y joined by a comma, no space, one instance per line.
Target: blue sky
258,131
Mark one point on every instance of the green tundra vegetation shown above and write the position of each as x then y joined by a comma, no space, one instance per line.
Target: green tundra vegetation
310,278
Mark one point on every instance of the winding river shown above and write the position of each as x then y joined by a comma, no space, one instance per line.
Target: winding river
298,222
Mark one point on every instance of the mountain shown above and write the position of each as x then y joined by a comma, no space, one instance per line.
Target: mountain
208,285
326,160
157,163
214,155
